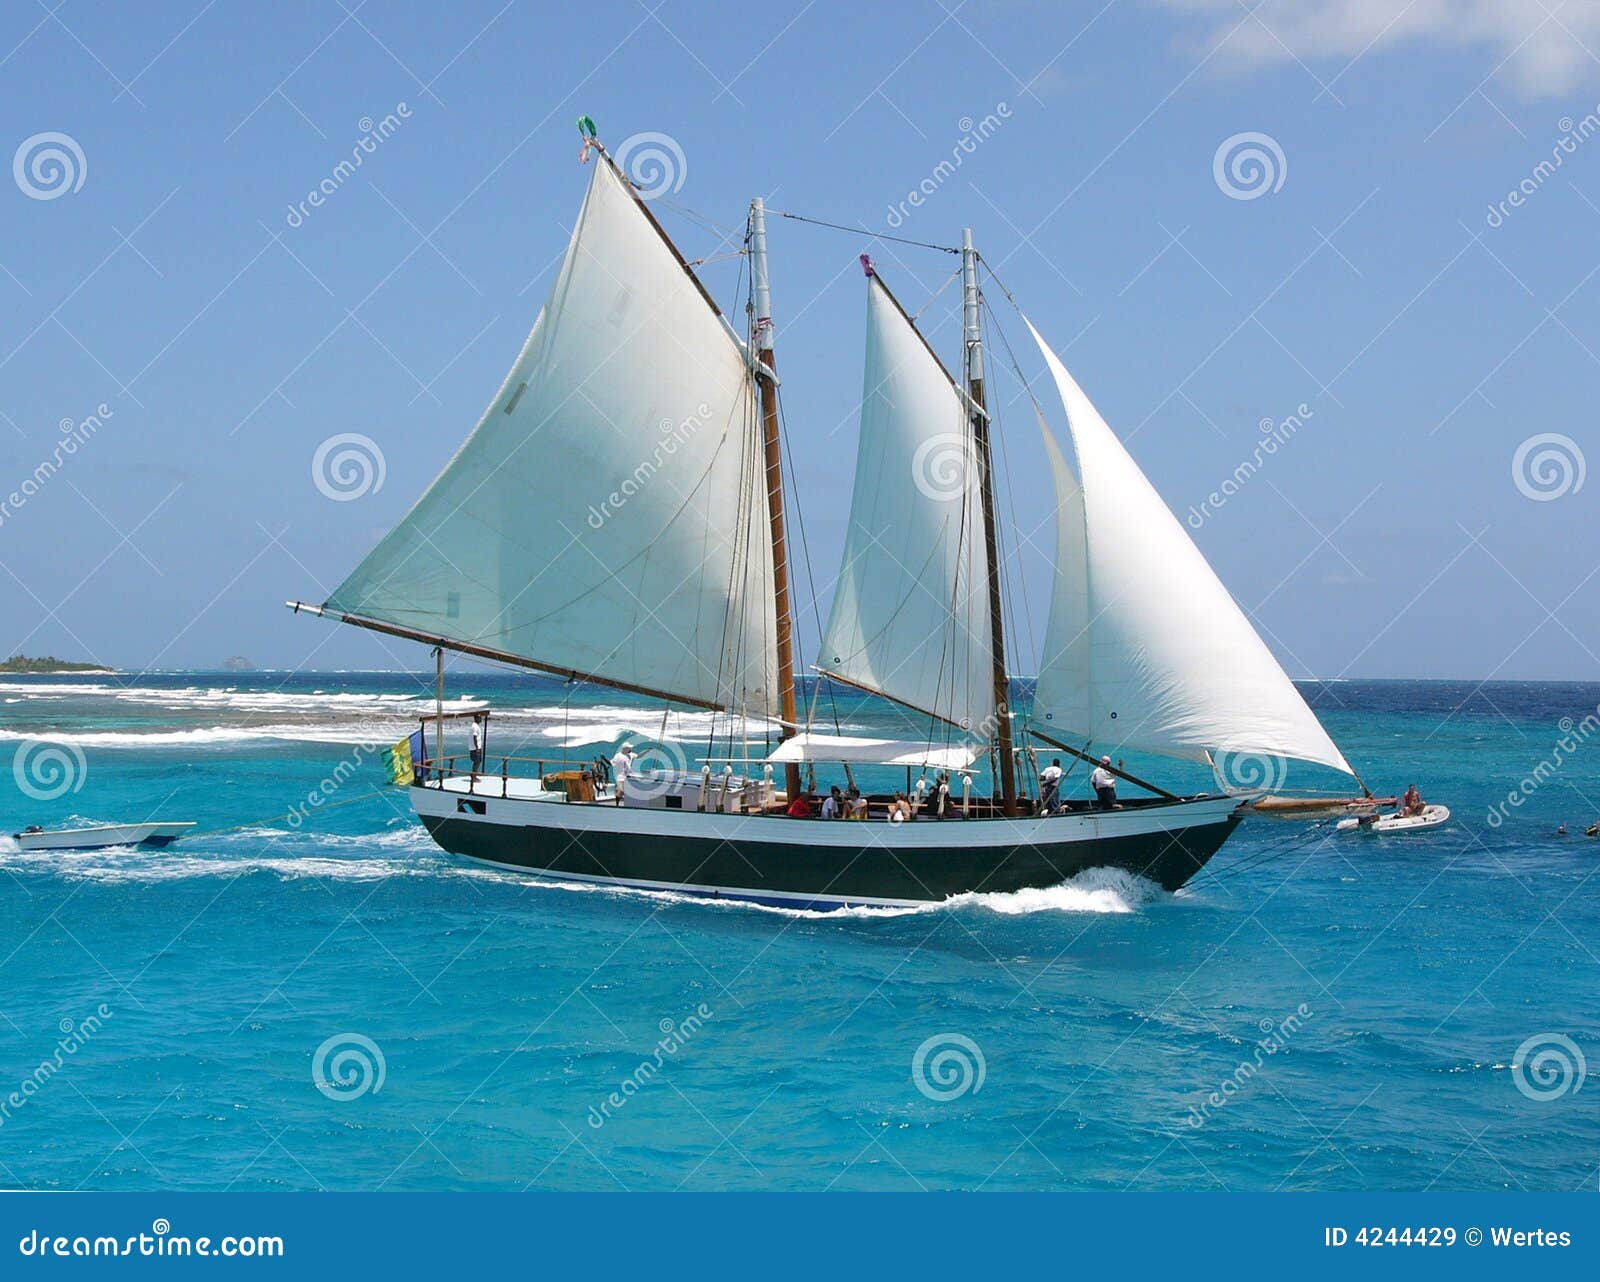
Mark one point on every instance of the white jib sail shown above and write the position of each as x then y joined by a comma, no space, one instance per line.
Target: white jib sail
910,610
608,515
1145,649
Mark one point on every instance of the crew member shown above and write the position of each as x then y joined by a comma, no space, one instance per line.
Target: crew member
1104,784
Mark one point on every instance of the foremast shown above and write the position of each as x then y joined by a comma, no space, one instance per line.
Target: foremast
972,335
766,378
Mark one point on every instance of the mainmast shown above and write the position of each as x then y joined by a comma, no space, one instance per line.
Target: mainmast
973,339
761,303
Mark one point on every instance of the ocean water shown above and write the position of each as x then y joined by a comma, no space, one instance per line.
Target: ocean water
308,994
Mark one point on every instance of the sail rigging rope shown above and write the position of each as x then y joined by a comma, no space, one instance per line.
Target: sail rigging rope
805,554
1258,858
933,297
867,231
1011,497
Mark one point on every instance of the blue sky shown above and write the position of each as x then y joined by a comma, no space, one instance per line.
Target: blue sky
1430,334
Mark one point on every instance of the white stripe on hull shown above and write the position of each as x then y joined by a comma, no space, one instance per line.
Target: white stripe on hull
956,834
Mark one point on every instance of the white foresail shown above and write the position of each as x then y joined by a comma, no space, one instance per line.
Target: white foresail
1145,649
910,609
608,515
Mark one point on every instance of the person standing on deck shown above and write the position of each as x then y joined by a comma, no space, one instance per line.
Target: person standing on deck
477,745
1104,784
1050,787
621,764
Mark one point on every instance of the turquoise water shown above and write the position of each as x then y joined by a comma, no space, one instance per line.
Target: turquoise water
1354,1005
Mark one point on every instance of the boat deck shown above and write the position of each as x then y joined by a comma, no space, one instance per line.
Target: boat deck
501,783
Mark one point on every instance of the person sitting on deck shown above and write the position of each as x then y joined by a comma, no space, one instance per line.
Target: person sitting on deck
1412,804
1050,787
899,808
800,807
1104,784
833,804
855,804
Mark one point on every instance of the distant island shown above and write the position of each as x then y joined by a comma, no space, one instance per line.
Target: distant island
45,666
237,663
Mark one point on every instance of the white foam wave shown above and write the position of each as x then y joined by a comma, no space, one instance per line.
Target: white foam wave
407,852
1095,891
153,738
200,736
55,687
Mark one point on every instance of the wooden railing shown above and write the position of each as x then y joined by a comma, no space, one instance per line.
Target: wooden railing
434,770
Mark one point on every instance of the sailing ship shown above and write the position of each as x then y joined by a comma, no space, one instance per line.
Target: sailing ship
617,518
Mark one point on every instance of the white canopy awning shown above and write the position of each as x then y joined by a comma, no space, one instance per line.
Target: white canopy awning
877,752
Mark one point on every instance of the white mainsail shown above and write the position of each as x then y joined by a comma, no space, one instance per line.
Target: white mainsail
1145,649
910,610
608,515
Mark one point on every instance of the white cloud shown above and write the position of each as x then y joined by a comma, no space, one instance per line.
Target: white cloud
1543,46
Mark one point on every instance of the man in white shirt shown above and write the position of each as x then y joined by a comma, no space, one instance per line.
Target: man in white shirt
1050,787
1104,784
831,804
620,765
477,745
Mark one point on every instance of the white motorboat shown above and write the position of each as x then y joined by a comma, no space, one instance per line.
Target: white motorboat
100,836
1431,817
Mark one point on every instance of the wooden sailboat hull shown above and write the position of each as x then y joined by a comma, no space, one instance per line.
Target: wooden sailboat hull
824,864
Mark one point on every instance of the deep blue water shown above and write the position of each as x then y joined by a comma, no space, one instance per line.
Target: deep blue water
1393,979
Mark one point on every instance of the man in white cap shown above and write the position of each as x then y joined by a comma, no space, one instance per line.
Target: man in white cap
620,765
1104,784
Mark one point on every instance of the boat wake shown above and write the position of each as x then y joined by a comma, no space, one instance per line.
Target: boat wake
1094,891
402,851
406,850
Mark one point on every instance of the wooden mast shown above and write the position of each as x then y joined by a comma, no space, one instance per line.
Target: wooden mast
761,303
973,338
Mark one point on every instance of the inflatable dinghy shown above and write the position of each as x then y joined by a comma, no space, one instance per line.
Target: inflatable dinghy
1431,817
